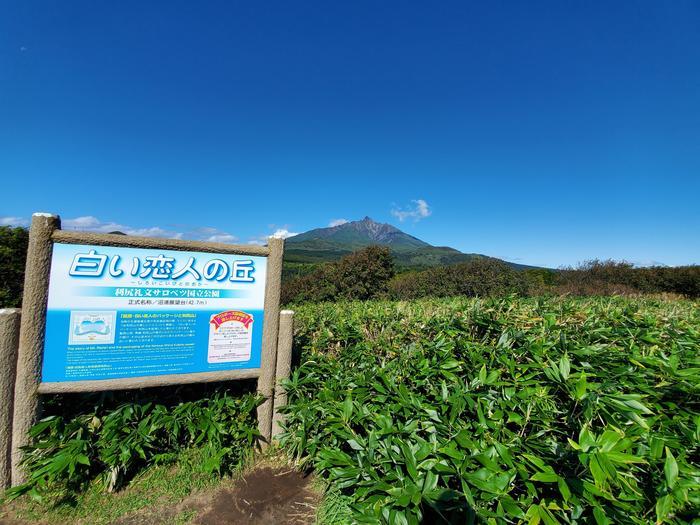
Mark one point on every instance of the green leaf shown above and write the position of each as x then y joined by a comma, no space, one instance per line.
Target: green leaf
430,482
482,374
564,367
600,517
410,460
663,508
512,507
347,408
545,477
564,489
533,515
580,387
620,457
354,444
451,364
599,475
670,469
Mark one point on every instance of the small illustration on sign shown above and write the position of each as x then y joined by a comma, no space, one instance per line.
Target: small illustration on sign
88,328
230,337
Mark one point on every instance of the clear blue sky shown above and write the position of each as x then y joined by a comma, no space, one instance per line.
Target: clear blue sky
541,132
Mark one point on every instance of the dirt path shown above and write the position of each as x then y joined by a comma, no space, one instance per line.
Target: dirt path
266,495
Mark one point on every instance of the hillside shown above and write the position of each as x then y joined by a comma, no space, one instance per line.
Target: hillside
328,244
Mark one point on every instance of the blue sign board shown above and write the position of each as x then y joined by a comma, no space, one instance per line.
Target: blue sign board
133,312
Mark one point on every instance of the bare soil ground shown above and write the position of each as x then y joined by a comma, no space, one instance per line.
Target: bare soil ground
268,494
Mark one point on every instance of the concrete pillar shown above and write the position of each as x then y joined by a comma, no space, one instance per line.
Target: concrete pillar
9,340
284,366
266,381
31,335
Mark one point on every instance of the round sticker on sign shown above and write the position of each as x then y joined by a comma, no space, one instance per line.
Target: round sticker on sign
230,337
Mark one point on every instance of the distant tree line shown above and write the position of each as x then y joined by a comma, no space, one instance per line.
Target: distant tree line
13,254
370,273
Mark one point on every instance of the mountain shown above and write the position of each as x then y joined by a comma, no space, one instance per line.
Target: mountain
327,244
354,235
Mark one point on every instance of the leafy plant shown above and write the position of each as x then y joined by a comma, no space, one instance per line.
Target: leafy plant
502,411
68,451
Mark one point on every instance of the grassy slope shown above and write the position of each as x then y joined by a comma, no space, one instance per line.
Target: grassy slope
159,488
415,259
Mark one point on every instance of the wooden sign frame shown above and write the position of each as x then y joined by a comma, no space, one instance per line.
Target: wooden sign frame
46,231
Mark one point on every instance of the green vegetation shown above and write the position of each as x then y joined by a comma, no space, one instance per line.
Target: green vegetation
611,277
13,253
410,269
443,409
158,490
362,275
335,508
502,411
115,436
480,277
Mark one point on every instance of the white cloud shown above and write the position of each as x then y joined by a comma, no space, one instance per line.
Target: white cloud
93,224
337,222
283,233
209,234
222,237
13,221
279,233
82,223
417,211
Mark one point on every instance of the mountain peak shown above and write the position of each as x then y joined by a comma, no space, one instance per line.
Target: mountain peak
358,234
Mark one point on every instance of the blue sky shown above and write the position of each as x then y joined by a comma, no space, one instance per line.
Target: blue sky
541,132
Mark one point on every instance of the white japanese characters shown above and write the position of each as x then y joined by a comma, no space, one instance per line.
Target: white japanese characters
93,264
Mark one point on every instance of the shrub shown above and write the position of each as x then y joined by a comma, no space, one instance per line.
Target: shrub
362,275
482,277
621,278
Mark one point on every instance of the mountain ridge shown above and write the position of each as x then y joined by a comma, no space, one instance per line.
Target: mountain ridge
333,242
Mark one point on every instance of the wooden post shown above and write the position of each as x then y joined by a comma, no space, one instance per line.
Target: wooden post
31,335
284,366
9,340
269,343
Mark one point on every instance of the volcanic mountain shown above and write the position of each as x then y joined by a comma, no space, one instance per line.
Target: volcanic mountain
327,244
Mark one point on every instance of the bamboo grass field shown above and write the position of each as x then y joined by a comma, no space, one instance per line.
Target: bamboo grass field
502,411
511,410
